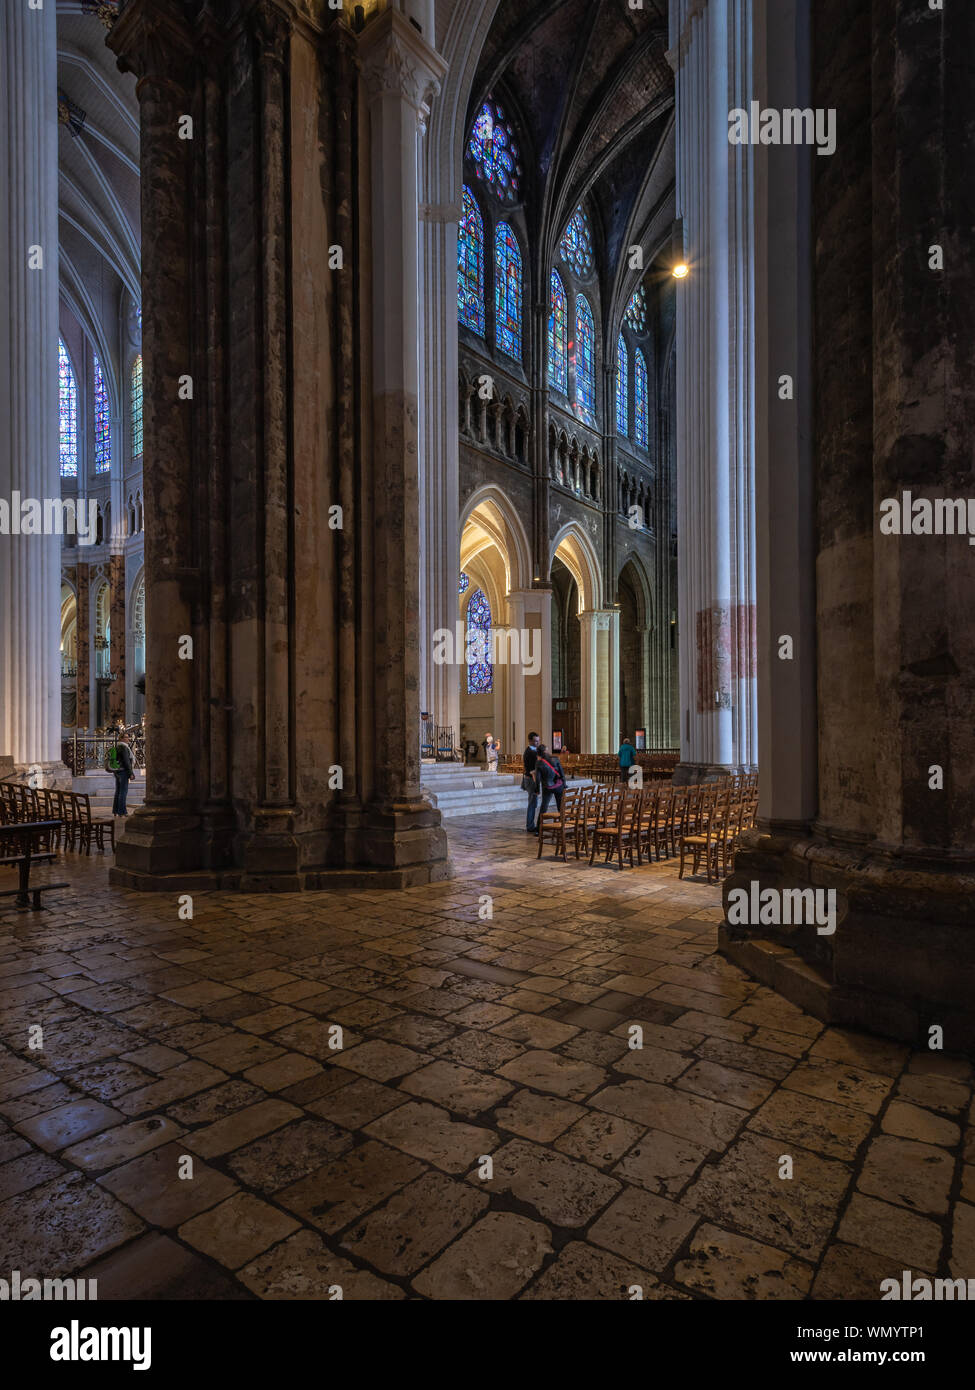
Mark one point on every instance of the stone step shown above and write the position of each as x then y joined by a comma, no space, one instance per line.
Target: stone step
806,984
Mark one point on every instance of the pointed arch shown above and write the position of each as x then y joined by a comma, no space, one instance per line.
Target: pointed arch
576,551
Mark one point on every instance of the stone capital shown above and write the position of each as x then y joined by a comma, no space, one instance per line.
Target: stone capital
153,40
396,60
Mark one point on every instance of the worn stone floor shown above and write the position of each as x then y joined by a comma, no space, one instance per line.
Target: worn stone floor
486,1130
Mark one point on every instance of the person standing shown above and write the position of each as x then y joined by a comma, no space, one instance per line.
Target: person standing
627,757
551,778
529,782
492,749
124,772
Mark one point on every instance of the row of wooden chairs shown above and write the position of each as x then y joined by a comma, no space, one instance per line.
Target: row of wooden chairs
20,803
701,822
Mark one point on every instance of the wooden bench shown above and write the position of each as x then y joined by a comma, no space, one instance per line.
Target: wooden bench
25,890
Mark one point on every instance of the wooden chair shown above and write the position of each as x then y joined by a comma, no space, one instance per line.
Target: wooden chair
88,828
706,843
562,824
621,826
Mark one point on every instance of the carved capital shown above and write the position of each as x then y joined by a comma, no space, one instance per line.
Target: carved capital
397,61
154,40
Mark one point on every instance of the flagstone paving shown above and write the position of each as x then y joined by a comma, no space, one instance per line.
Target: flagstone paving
533,1081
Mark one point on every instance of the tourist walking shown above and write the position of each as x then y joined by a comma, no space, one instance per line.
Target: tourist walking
627,757
124,771
529,781
551,778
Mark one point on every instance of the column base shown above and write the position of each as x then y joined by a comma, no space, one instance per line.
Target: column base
400,846
902,957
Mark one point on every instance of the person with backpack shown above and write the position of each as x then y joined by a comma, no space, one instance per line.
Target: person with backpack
122,764
529,782
551,778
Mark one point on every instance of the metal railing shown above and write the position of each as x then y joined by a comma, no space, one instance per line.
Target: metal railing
86,752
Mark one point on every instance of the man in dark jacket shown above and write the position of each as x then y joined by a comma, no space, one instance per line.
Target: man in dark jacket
124,772
529,758
551,778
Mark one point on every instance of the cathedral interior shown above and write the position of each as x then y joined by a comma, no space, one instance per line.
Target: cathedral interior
393,386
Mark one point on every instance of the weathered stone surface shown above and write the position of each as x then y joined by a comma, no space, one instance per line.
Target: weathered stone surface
891,1231
494,1259
563,1191
643,1228
415,1224
724,1265
915,1175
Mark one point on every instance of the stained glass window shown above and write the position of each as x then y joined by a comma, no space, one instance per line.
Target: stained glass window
103,430
622,419
640,398
470,267
494,151
585,358
576,244
68,415
558,373
137,406
636,310
480,672
465,583
507,290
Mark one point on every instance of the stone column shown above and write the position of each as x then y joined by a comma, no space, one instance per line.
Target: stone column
116,582
892,368
438,435
84,646
530,612
30,566
400,72
164,836
710,42
599,713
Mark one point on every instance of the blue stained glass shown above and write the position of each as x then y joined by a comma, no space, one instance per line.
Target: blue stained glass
576,244
636,310
640,399
67,415
558,373
465,583
494,151
507,290
103,432
136,404
470,266
621,388
585,358
480,672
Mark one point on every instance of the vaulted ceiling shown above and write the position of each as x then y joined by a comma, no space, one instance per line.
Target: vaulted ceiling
98,176
590,86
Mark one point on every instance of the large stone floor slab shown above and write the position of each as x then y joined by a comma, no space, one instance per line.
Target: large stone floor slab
486,1129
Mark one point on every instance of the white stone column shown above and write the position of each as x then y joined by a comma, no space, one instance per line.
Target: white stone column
438,435
30,566
711,56
599,684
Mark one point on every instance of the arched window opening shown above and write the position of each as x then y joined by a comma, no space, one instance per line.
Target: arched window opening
103,430
622,412
480,672
68,415
507,290
585,359
640,412
136,403
558,373
470,266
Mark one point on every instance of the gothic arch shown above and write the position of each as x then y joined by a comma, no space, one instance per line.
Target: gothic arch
490,518
577,552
